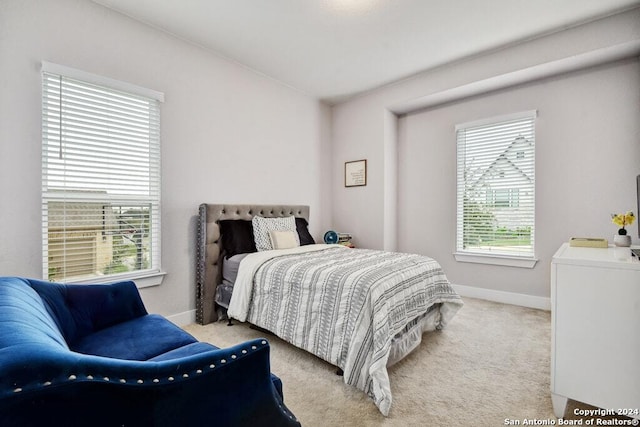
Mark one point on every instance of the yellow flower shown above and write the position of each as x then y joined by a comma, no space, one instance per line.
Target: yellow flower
623,220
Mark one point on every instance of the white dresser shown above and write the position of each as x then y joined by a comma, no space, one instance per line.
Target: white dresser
595,316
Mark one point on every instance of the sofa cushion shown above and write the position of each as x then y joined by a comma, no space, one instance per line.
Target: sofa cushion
139,339
81,310
187,350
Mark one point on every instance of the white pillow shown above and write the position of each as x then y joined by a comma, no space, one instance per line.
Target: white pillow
262,226
283,239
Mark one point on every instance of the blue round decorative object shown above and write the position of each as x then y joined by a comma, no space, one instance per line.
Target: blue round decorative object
330,237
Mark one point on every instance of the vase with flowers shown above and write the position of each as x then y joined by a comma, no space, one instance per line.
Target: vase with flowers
622,220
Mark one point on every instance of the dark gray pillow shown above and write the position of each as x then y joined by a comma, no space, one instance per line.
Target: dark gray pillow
237,237
302,227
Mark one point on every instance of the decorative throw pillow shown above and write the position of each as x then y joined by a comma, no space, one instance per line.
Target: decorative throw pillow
237,237
303,232
262,226
283,239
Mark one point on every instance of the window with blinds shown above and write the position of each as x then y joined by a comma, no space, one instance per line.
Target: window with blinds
100,177
496,185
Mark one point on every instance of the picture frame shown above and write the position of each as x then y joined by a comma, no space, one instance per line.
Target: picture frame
355,173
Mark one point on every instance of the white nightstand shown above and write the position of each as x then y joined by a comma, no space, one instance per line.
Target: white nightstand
595,315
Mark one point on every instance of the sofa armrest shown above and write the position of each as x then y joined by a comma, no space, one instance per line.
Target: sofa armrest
230,387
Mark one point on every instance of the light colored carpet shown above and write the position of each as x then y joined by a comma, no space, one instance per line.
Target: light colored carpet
490,364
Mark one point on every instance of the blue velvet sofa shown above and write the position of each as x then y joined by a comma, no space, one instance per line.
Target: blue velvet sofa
91,355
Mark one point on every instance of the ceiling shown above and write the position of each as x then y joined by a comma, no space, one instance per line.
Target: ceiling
335,49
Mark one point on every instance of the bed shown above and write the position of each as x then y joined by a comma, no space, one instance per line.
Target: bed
358,309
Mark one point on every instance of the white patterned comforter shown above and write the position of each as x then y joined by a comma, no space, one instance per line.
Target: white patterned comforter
343,305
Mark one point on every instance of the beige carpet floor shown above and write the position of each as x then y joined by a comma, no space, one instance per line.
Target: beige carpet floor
490,365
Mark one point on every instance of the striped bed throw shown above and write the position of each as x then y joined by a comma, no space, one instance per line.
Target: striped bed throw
344,305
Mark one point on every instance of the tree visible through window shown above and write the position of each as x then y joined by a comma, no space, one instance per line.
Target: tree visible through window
100,176
495,186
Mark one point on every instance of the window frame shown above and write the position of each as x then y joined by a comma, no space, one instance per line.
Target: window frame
461,254
151,276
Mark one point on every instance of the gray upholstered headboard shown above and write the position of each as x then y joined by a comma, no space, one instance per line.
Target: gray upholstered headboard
209,247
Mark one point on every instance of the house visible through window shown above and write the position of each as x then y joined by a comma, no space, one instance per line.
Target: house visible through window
495,186
503,198
100,177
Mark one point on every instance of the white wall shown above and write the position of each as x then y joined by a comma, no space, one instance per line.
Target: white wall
587,156
588,151
228,134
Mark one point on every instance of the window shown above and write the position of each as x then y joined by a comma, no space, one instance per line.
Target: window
495,188
503,198
100,178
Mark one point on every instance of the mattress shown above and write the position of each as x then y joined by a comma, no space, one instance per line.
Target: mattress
230,268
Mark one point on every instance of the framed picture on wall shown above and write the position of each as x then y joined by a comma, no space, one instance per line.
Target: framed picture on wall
355,173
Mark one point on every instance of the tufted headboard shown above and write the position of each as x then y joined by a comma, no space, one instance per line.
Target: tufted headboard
209,247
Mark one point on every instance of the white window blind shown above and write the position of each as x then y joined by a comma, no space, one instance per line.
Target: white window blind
496,185
100,178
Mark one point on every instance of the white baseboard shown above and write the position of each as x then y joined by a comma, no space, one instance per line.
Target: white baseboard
184,318
512,298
